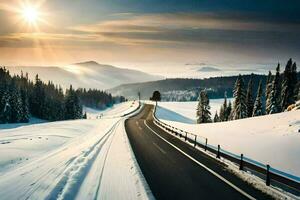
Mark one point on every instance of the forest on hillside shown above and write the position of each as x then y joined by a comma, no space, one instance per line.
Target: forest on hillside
280,93
22,98
183,89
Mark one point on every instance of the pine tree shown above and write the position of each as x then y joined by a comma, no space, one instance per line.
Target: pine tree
84,115
15,103
25,106
223,115
38,99
73,108
249,97
258,110
273,102
203,113
287,92
216,117
239,107
228,111
294,82
3,89
269,88
6,111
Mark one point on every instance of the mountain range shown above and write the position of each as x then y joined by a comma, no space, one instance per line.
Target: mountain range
86,75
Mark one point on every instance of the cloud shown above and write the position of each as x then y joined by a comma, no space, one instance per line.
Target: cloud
188,34
157,22
193,28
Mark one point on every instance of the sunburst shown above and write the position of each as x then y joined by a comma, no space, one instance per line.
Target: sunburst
30,14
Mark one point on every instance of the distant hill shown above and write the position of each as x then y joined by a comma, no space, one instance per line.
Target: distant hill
86,74
208,69
185,89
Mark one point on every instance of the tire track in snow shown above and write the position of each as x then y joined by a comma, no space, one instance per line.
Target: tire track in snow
74,175
103,166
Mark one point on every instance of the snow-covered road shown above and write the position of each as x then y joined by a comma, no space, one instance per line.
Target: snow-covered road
81,159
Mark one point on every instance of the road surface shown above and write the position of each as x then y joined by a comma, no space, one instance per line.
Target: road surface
175,170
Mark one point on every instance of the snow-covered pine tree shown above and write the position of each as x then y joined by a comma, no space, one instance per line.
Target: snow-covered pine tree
69,104
249,97
228,111
216,117
273,102
268,89
15,102
287,92
223,115
294,84
239,94
73,108
5,114
203,113
25,105
3,90
257,109
38,98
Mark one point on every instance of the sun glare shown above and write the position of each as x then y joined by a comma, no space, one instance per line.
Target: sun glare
30,14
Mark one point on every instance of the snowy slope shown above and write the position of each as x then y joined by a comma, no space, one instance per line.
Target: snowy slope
185,111
76,159
272,139
32,120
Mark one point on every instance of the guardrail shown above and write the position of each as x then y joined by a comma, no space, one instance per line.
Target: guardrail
271,175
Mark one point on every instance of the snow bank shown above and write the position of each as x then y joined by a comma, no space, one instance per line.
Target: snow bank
272,139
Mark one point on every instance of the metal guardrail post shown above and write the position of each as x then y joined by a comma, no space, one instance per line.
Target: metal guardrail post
195,141
242,162
185,137
218,153
268,179
205,144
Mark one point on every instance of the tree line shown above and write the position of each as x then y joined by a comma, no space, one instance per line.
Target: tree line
21,98
98,99
281,91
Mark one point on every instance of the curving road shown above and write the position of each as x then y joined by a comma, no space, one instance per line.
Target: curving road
175,170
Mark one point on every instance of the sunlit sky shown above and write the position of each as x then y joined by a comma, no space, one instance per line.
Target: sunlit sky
165,37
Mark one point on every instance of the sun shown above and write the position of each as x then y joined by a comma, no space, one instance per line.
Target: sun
30,14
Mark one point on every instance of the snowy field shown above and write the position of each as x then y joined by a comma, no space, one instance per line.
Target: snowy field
185,111
116,110
272,139
76,159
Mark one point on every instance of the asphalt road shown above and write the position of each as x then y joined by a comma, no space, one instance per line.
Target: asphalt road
175,170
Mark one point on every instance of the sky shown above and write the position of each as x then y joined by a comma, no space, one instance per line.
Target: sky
167,37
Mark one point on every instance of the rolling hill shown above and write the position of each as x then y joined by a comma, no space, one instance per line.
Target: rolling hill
86,74
183,89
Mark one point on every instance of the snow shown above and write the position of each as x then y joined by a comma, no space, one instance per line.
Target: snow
186,111
32,120
116,110
258,138
76,159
